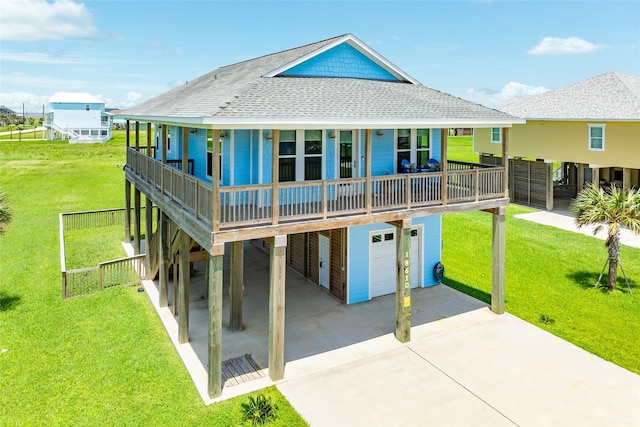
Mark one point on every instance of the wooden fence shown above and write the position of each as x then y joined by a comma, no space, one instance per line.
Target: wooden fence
120,272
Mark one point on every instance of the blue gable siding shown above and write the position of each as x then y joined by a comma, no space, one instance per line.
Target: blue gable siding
341,61
359,251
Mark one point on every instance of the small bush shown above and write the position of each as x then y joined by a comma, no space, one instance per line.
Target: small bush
259,410
546,319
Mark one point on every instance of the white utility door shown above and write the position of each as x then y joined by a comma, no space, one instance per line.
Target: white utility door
325,263
382,265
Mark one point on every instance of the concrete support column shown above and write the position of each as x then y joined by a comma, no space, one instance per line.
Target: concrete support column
136,222
127,211
214,357
163,259
498,255
183,291
236,286
403,281
277,271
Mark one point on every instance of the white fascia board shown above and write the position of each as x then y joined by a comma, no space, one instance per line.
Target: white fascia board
358,45
596,120
177,121
351,124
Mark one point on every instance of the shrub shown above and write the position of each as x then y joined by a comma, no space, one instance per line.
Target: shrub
259,410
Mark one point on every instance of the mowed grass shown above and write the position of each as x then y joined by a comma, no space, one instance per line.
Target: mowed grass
103,359
550,278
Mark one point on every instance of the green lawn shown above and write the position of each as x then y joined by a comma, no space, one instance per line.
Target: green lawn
460,148
104,359
550,272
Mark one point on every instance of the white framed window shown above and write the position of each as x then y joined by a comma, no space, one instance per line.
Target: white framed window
496,135
596,137
300,155
413,146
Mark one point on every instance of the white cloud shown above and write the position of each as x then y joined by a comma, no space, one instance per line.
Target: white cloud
30,20
568,46
41,58
495,99
130,99
32,103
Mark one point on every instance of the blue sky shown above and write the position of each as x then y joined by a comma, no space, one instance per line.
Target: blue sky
125,52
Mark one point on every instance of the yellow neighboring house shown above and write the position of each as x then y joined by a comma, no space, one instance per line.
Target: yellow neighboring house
584,132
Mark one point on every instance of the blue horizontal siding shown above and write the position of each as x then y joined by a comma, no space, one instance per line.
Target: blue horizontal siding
341,61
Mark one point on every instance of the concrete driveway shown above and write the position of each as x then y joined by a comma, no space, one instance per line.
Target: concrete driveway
493,371
464,365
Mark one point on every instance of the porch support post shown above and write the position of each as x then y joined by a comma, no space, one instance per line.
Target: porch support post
214,353
148,236
444,132
128,133
183,292
275,176
595,176
136,221
626,178
127,211
276,306
215,180
149,139
549,181
236,286
163,155
163,259
137,136
580,183
185,150
505,161
367,167
403,281
498,256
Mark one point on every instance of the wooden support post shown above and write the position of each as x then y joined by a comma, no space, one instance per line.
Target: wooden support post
163,156
127,211
368,142
183,292
505,161
136,221
214,359
626,178
163,258
443,165
148,234
403,281
137,136
149,139
595,176
215,180
236,286
276,307
175,285
549,190
128,133
275,177
498,255
185,150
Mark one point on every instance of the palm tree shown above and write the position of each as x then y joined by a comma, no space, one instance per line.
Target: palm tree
615,209
5,213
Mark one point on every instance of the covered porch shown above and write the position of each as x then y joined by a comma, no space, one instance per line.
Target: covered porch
320,331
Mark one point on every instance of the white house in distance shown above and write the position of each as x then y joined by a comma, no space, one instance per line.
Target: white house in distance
78,117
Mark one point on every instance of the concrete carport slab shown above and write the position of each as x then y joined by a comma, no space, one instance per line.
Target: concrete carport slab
496,371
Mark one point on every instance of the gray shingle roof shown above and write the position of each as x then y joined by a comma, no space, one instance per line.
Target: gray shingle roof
609,96
240,93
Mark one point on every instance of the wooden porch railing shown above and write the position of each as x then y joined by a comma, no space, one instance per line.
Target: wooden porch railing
252,204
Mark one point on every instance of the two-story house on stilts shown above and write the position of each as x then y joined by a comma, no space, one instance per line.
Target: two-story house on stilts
328,152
